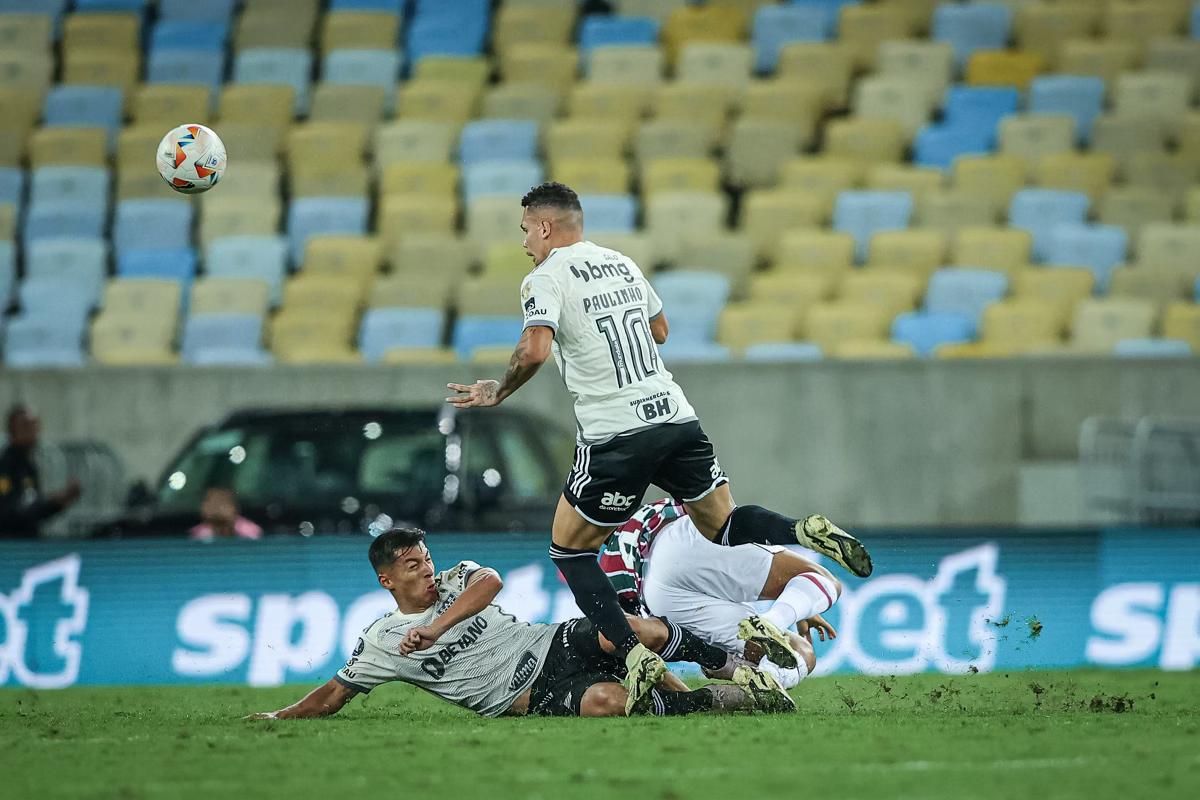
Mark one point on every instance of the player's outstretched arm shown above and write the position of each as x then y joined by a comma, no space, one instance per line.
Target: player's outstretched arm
532,351
323,701
482,588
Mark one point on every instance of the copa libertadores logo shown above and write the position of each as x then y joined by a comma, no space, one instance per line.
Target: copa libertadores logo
25,634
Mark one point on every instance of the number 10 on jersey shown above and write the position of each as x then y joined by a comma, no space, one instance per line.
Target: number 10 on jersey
632,347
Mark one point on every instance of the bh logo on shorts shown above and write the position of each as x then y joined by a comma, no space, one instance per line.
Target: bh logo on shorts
659,408
615,501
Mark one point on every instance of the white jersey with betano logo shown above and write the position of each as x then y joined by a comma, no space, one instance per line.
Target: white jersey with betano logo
483,663
600,305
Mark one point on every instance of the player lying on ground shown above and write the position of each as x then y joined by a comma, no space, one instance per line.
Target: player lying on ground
446,636
659,562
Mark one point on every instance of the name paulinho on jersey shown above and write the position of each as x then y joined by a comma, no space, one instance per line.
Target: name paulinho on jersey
599,306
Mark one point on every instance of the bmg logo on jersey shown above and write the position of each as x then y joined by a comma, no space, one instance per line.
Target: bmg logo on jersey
615,501
590,271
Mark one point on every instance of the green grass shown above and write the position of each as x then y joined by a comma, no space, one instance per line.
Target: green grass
1018,735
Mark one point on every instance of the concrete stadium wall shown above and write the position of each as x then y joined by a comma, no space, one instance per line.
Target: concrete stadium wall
897,443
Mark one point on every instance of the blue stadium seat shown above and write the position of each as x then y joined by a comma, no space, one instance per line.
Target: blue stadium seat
73,184
82,261
218,11
600,30
783,351
152,225
776,26
610,213
390,6
1100,248
473,332
498,140
972,26
512,178
12,186
231,339
926,331
1196,21
1039,210
8,274
459,10
385,328
1152,348
1196,290
692,301
364,68
176,34
56,294
865,213
261,257
63,221
964,291
89,106
168,264
291,66
55,8
979,107
44,341
448,29
1080,96
317,216
678,351
136,6
939,145
186,66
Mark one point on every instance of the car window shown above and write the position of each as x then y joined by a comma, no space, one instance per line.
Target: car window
526,476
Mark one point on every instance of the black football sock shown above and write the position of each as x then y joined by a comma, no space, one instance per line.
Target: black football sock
594,595
684,645
758,525
676,704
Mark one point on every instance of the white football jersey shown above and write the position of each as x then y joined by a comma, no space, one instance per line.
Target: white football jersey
600,305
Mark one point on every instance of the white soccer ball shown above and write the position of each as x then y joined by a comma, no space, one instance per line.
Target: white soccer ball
191,159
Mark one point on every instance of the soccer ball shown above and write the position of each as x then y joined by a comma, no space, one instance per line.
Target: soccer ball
191,159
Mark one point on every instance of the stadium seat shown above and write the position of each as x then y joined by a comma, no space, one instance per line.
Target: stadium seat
728,254
217,295
832,325
202,67
864,213
239,215
593,175
146,297
42,341
152,224
113,32
1159,287
585,138
505,178
176,264
671,138
498,140
609,102
173,34
215,11
831,62
8,273
951,210
969,27
609,213
718,22
866,140
313,216
1080,96
1170,247
522,100
896,292
379,68
1175,54
797,102
415,140
461,31
1182,321
544,24
929,330
1141,21
873,350
599,31
1042,27
77,184
1001,249
229,338
680,351
721,66
1103,58
419,177
916,251
896,98
758,148
1100,248
63,220
162,105
1161,94
359,30
1003,68
271,65
413,290
322,294
312,339
488,219
925,63
996,178
979,108
693,301
919,181
1021,325
863,28
1089,173
625,64
84,106
474,332
439,100
744,324
553,66
467,72
1173,174
385,328
1032,137
400,215
1098,324
1152,348
688,174
1040,210
777,25
1061,287
821,251
822,178
671,217
68,145
28,29
765,214
964,291
940,145
57,295
1134,207
264,104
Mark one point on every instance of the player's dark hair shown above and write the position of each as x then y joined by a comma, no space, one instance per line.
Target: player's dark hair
14,411
552,194
387,547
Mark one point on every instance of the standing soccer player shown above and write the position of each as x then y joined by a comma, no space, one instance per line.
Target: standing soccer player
595,311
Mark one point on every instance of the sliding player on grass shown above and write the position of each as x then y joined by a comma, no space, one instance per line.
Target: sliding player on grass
446,636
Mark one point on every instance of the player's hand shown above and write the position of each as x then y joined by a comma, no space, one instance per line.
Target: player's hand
824,630
421,638
481,394
261,715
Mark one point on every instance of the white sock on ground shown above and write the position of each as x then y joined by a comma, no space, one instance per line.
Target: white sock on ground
806,594
787,677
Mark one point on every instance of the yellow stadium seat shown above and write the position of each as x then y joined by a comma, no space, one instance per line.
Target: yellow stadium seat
828,252
140,182
796,102
744,324
164,104
230,296
1023,324
680,175
927,64
1042,27
1103,58
1159,94
437,100
865,27
636,246
658,9
524,100
1177,55
708,23
517,25
951,210
585,138
425,255
492,296
419,355
1133,207
767,213
626,64
1182,321
26,32
400,214
823,177
335,102
609,102
419,177
671,138
716,64
253,141
491,219
1168,247
829,63
872,350
1099,324
263,103
359,30
553,65
275,27
1191,207
893,291
730,254
673,217
919,250
13,146
905,178
102,68
1003,68
1032,137
327,294
8,222
62,146
506,259
1158,287
415,140
350,258
679,99
600,175
108,31
1140,21
496,354
239,216
33,70
832,325
757,150
1171,174
310,143
1004,249
896,98
867,140
463,71
1187,136
22,106
341,179
145,297
961,350
1062,287
132,340
413,290
1125,135
795,290
259,180
1090,173
308,338
135,141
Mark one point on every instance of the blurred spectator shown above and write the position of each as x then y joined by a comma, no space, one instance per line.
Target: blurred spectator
219,510
22,506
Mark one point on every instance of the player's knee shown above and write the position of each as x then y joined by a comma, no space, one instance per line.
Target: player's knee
807,652
651,632
603,700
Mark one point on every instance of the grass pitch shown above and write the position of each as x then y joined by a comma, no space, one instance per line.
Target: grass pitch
1022,734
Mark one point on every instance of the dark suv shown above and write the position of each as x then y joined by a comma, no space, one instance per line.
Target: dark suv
335,470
